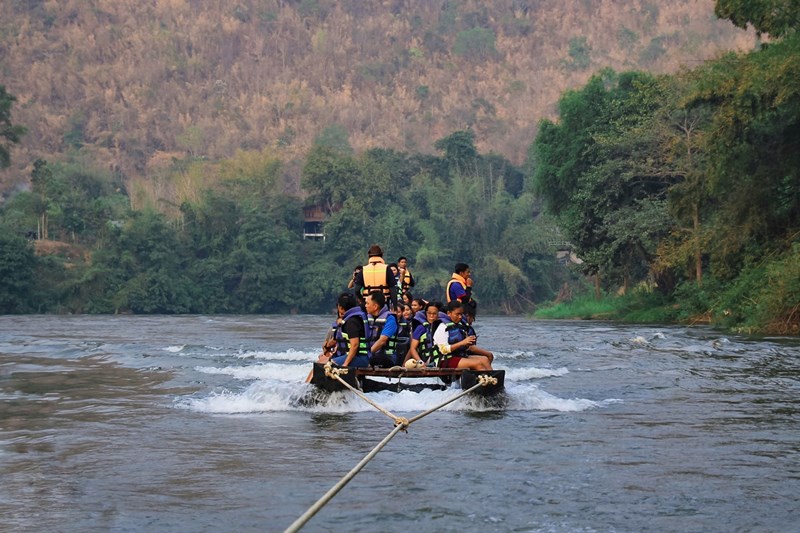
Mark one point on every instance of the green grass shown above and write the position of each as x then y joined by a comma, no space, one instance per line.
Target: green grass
640,306
583,307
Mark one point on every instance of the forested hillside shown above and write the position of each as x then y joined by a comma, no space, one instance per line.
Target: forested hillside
130,85
173,146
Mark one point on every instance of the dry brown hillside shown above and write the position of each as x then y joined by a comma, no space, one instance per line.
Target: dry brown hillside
135,82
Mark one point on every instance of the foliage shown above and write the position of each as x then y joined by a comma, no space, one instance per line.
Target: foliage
475,44
9,133
585,307
244,75
17,264
659,180
775,17
594,173
579,54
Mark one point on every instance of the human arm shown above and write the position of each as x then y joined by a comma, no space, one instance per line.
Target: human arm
354,330
441,340
352,351
389,330
413,353
474,350
357,282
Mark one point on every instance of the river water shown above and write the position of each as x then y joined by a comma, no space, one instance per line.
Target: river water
197,423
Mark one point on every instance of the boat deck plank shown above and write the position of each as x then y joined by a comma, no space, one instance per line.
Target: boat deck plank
400,372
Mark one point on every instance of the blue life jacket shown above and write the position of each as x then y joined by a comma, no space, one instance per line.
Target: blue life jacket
386,355
343,340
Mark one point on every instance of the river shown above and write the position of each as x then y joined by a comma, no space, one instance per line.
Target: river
195,423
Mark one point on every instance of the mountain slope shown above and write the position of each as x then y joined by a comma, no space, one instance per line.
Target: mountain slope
132,84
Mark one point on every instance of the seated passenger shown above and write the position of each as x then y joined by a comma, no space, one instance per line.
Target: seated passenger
351,336
455,345
404,317
470,310
422,347
418,306
383,327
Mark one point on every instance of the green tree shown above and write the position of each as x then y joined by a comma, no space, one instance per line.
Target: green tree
334,138
595,173
753,168
579,54
459,151
17,267
475,44
142,269
330,177
775,17
9,133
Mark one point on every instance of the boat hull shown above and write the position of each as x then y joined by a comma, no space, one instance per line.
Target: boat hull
359,378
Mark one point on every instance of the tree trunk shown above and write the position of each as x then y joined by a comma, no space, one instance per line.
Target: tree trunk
698,255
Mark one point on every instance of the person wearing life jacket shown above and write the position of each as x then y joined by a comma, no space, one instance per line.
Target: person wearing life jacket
383,326
404,279
454,343
422,347
460,285
418,312
404,318
470,311
331,346
356,271
350,333
375,275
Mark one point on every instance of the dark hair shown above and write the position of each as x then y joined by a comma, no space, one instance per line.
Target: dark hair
422,303
437,305
347,301
358,268
375,251
401,258
453,305
470,308
460,267
378,298
390,265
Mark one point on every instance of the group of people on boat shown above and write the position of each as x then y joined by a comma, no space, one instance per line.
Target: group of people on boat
380,324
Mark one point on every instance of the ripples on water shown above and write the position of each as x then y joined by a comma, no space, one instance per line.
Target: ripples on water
197,424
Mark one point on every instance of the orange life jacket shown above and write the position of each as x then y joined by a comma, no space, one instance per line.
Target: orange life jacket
374,273
455,279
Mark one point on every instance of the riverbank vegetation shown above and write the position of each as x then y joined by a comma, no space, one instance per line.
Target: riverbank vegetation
679,193
689,184
231,242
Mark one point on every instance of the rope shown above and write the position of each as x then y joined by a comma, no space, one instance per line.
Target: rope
300,522
400,424
484,380
334,373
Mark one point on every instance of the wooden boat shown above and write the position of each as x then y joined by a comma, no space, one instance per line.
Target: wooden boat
360,378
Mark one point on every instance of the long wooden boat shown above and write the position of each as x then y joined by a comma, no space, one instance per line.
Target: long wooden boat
401,378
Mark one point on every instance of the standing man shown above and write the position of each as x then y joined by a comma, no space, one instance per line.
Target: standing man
460,285
375,276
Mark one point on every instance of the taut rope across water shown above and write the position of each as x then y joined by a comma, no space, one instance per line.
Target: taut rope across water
400,424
